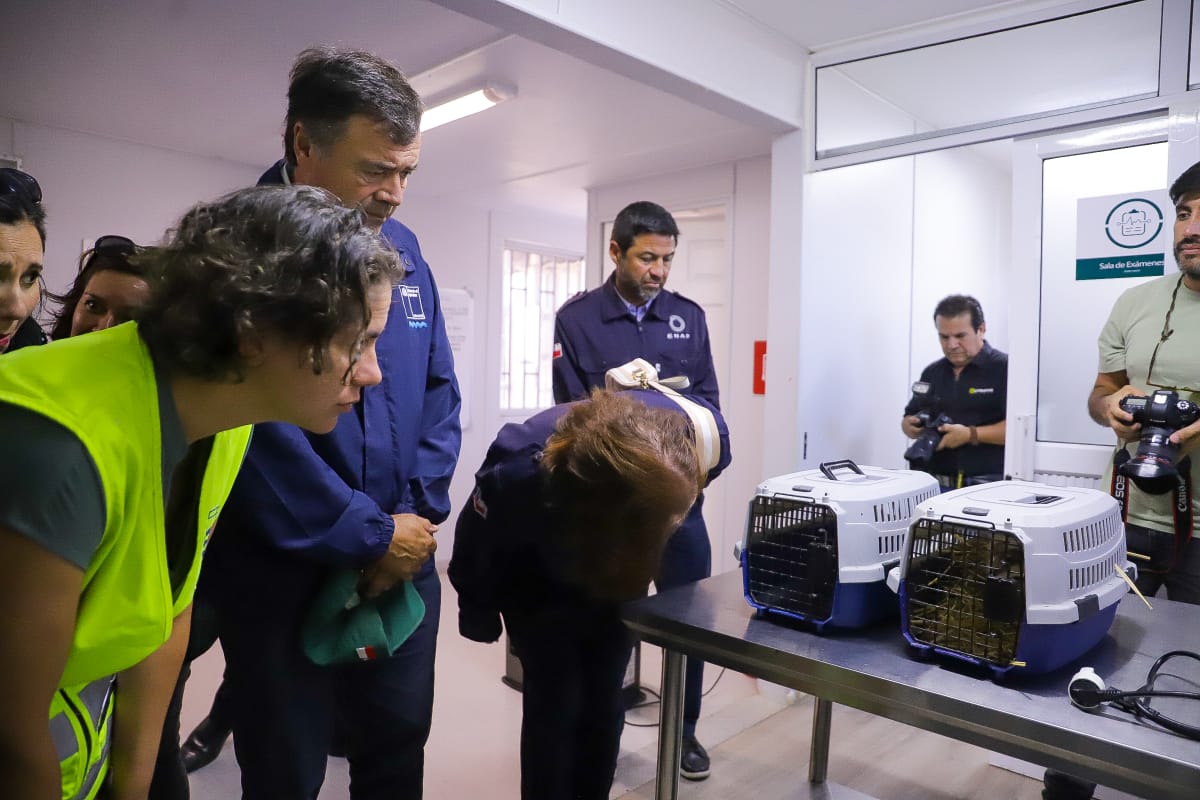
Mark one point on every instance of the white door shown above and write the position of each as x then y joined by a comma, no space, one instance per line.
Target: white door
701,272
1059,306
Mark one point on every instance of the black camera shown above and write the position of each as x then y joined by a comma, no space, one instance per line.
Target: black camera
1152,468
930,417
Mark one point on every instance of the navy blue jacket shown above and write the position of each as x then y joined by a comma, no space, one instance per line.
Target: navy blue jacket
594,332
304,503
504,558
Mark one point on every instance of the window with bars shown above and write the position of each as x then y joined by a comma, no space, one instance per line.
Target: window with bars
536,281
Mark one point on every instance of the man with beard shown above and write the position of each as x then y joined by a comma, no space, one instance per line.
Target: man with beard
632,316
1149,343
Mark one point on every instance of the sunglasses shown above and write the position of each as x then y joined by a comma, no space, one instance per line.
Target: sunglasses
14,181
110,245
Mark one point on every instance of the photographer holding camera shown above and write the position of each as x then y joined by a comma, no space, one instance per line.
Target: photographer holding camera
1150,341
1148,348
956,414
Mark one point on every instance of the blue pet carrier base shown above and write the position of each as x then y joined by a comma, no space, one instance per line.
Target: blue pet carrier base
1017,577
819,543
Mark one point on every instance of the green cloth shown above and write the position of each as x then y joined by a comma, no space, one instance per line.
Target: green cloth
1127,342
342,627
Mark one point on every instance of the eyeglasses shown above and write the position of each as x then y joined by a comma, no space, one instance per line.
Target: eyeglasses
1167,332
14,181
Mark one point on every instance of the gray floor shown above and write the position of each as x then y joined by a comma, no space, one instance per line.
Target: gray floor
756,734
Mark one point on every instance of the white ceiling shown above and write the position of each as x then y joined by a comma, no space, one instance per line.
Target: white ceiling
817,24
209,76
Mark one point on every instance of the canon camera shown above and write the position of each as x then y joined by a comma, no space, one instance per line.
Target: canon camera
1152,468
930,417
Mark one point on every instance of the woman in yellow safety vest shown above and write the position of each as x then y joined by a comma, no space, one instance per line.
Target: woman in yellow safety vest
122,446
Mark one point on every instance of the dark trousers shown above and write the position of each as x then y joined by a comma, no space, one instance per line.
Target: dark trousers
170,778
687,559
571,702
284,707
1180,573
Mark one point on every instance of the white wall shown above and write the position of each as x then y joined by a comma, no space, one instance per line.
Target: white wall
93,185
463,245
744,188
962,242
883,243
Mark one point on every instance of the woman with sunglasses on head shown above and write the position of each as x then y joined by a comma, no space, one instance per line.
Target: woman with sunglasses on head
22,245
109,289
121,449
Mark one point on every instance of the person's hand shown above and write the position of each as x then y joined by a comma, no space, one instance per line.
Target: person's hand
1122,421
411,546
911,425
1187,438
953,435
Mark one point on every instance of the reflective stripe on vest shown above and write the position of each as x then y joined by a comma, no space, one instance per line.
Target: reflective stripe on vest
80,728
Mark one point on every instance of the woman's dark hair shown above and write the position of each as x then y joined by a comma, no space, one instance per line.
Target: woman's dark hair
94,261
17,207
287,261
330,85
621,475
642,217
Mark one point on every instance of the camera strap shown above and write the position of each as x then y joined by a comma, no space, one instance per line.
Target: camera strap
1181,501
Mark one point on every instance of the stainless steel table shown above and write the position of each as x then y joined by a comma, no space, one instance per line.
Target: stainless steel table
872,670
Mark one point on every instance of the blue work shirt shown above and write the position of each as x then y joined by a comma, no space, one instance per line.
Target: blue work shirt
594,332
305,503
503,542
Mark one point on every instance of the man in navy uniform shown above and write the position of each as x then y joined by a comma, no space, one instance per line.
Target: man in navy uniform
369,495
632,316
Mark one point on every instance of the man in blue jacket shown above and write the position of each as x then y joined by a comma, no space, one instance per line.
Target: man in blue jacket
632,316
369,495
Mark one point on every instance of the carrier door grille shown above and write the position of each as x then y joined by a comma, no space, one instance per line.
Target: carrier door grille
966,589
791,556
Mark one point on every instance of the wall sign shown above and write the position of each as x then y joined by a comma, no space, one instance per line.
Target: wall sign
1122,235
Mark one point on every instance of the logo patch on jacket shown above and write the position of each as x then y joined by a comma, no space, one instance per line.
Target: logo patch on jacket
414,308
557,350
678,328
981,390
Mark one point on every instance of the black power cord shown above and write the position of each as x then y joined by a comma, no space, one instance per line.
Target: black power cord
658,699
1087,691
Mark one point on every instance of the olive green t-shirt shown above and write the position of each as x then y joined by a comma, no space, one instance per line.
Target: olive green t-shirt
1127,343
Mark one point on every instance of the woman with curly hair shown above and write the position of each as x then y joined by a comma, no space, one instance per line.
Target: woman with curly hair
121,449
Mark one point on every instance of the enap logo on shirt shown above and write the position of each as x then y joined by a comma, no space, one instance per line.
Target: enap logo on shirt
678,328
981,390
414,308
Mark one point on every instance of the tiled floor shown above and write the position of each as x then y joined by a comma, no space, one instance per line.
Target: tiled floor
756,734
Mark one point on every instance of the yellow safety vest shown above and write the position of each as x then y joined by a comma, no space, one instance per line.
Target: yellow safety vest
102,388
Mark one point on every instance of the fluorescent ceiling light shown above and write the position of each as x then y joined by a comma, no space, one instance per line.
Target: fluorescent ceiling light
466,105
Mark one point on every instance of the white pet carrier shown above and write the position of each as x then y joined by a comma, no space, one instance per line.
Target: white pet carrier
1012,575
818,543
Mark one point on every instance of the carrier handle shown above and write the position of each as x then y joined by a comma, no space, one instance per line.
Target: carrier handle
827,468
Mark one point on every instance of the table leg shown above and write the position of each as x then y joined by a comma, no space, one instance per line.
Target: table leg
818,760
670,726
